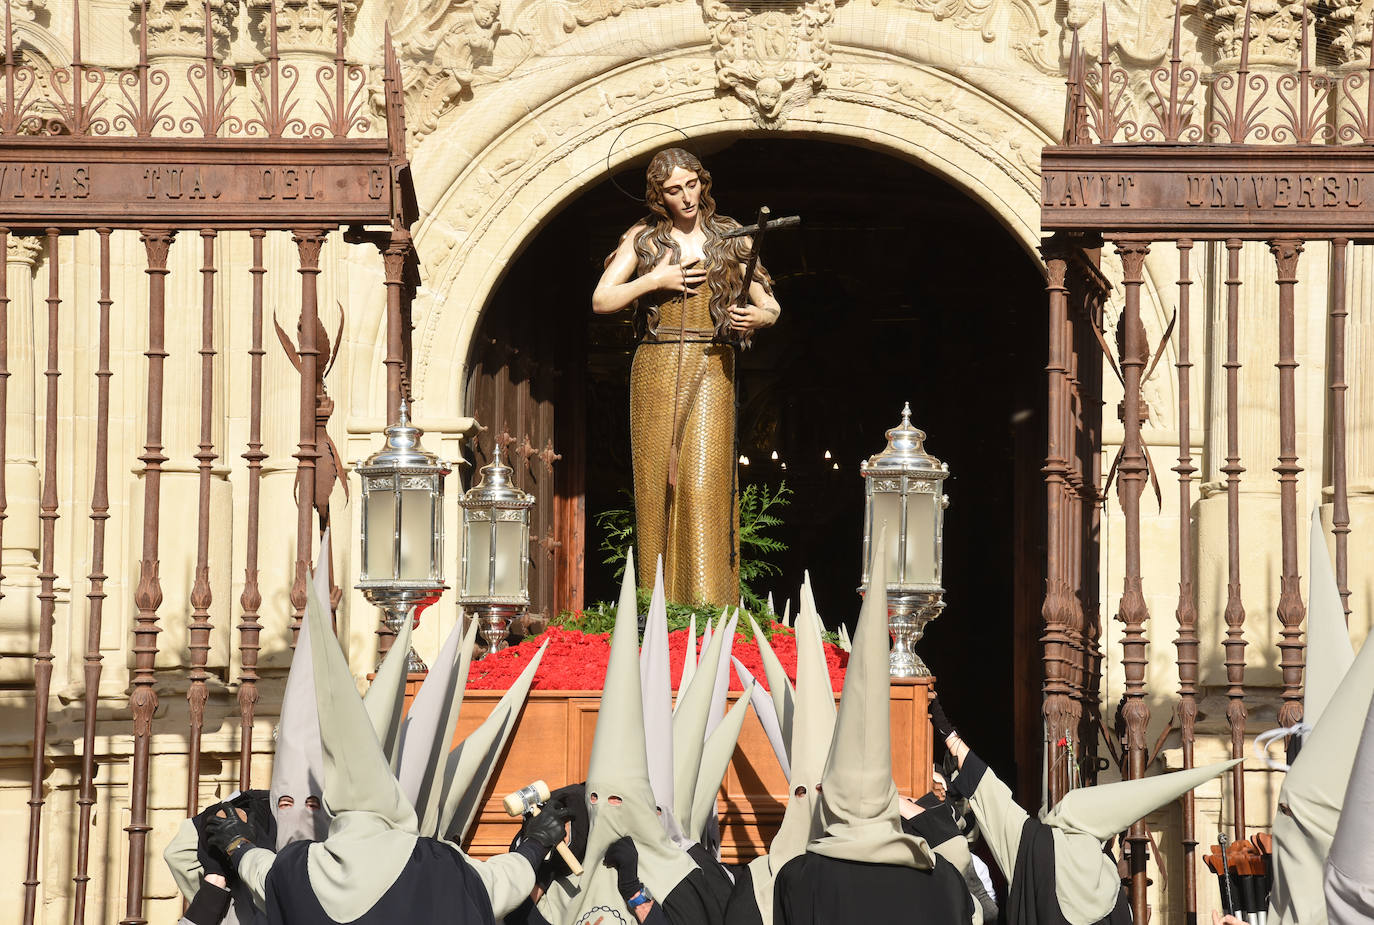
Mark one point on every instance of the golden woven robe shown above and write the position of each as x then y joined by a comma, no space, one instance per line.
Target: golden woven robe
693,525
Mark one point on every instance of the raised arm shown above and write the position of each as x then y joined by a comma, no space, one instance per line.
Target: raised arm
619,287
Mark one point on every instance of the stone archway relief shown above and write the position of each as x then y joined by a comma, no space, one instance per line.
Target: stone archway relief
480,224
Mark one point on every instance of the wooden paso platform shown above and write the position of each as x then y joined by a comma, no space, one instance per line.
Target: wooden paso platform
553,742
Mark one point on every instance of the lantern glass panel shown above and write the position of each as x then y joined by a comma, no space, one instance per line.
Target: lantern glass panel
477,570
920,539
417,530
887,512
510,555
381,532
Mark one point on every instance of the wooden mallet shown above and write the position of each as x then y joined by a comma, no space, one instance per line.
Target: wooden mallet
527,800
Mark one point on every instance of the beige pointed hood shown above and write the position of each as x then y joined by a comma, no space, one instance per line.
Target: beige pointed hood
767,715
813,723
1350,865
426,734
715,760
1106,810
471,764
690,723
619,798
373,830
858,797
656,687
298,764
1311,798
779,687
385,697
689,663
1329,652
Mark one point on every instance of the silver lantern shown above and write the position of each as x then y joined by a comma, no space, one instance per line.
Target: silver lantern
403,527
496,550
903,488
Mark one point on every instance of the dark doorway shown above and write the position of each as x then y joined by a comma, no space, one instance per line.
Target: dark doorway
897,287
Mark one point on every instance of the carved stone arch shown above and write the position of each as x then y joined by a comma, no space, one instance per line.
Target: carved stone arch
480,223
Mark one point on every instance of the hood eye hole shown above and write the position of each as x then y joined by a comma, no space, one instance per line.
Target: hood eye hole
800,791
593,797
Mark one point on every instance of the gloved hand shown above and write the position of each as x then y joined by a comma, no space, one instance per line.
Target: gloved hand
546,829
943,727
228,833
624,857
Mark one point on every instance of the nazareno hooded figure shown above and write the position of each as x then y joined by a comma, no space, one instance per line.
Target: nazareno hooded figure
373,866
289,811
632,872
1057,868
806,723
863,867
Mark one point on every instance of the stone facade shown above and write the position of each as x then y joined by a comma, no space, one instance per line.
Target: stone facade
512,109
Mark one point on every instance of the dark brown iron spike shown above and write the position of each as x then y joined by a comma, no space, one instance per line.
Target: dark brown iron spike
1174,127
100,513
1107,123
143,697
208,117
1291,611
309,242
1306,128
1134,611
4,385
394,259
1340,504
340,74
143,126
1186,644
47,583
201,594
11,122
1234,613
251,598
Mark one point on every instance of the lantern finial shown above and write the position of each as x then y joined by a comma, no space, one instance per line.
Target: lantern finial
405,413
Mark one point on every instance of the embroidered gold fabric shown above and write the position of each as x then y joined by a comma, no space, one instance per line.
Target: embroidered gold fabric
692,525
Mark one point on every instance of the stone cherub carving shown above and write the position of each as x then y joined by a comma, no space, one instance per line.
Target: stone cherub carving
773,60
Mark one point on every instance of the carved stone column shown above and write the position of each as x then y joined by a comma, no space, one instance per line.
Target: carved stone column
19,609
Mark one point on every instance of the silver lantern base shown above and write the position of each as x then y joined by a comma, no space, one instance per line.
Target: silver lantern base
908,612
399,605
494,621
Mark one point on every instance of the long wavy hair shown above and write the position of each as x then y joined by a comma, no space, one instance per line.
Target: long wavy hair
724,257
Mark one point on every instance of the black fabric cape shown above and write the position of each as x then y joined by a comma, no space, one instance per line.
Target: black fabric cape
817,890
436,885
743,907
1032,900
694,901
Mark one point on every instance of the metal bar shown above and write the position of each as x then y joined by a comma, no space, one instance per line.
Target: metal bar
201,593
1058,699
100,513
1340,501
1187,642
308,244
1134,611
1234,614
4,383
340,73
394,260
47,591
1291,610
251,598
148,595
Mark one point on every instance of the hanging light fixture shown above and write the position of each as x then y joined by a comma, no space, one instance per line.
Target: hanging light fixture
496,550
903,488
402,527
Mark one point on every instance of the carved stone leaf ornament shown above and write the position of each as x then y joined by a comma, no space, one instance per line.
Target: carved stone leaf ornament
178,26
774,60
304,25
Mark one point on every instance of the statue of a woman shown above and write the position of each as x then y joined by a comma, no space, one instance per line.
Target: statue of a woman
684,277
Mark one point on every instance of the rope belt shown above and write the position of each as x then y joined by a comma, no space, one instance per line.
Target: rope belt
680,336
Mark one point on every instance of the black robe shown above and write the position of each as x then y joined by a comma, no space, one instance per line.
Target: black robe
1032,899
694,901
436,885
814,889
743,907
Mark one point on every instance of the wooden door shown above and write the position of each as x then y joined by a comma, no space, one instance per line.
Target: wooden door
526,389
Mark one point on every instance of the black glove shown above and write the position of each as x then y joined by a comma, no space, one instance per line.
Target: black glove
624,857
943,727
546,829
228,833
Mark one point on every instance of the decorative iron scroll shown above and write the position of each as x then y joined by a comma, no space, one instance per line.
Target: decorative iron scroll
1263,154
